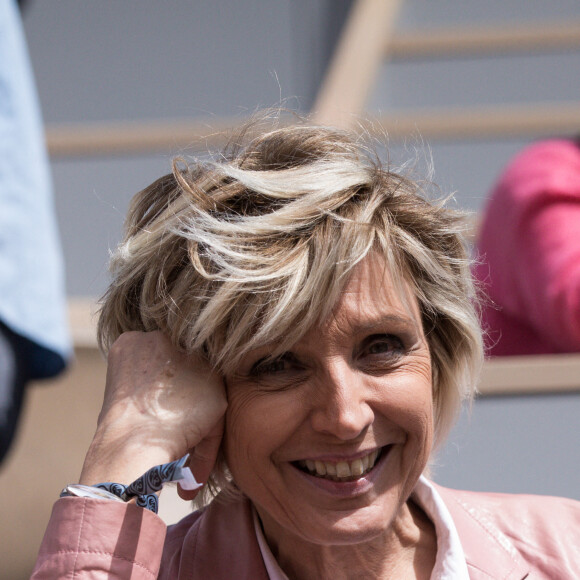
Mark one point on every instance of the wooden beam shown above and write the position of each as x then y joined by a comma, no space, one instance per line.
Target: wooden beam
491,40
133,138
83,321
502,121
525,375
495,122
356,60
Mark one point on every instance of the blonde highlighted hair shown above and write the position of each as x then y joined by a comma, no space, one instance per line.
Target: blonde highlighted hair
254,247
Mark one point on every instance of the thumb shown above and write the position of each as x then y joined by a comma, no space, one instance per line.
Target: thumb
202,459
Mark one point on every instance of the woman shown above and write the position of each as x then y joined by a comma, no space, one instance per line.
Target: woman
301,321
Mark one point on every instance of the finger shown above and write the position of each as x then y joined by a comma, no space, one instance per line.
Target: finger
202,459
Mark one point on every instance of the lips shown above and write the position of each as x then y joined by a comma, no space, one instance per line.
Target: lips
340,470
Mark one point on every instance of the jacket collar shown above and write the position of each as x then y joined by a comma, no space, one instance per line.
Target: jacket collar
489,552
223,539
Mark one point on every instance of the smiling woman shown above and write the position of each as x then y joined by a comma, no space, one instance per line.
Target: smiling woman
349,417
301,322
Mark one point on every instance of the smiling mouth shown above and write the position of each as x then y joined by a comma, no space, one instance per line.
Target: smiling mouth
340,470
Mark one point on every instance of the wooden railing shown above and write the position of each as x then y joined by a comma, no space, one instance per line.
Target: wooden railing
136,138
483,41
531,374
498,122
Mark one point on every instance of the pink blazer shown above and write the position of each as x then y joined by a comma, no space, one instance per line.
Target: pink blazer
529,251
503,536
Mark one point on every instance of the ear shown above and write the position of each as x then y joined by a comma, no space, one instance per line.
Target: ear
187,494
202,459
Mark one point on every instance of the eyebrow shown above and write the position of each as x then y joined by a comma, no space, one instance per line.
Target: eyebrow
401,321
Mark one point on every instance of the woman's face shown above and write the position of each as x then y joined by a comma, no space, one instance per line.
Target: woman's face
329,439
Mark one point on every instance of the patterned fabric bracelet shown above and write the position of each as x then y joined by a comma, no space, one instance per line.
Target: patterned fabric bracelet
148,501
143,488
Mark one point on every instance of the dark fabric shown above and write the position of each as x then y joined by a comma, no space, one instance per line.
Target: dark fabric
32,362
13,398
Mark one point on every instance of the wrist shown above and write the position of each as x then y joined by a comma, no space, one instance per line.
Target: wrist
144,490
120,459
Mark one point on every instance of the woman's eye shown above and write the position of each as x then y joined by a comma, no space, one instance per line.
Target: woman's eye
268,365
385,344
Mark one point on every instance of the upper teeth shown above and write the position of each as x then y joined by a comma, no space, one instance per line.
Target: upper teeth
341,469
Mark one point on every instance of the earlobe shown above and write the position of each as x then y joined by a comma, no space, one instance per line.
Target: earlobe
187,494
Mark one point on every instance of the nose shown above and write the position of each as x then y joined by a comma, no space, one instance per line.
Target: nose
341,405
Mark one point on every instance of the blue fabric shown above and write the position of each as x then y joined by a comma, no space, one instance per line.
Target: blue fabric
32,296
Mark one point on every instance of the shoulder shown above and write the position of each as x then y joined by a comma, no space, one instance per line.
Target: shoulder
544,168
495,499
507,510
544,531
214,542
177,533
220,516
549,150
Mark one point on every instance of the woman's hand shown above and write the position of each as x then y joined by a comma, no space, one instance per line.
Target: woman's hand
159,405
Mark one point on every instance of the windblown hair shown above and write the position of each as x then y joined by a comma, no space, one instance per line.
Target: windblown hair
254,248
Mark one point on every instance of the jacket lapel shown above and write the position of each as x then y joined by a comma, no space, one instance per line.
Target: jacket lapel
488,551
225,541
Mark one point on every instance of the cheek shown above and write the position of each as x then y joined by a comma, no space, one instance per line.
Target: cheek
239,446
411,410
257,424
416,418
408,402
421,421
241,426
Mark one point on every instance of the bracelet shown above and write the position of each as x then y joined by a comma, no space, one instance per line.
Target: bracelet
142,489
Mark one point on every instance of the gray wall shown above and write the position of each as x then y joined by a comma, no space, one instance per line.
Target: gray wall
143,59
516,445
469,168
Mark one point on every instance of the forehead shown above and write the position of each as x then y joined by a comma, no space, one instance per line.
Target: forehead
373,295
373,301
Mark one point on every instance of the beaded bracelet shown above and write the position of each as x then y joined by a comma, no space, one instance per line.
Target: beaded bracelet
143,488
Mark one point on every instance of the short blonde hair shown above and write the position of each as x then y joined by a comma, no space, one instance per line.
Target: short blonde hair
255,246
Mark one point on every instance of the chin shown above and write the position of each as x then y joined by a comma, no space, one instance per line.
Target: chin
347,529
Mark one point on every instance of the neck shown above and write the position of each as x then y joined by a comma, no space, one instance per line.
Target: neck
407,549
